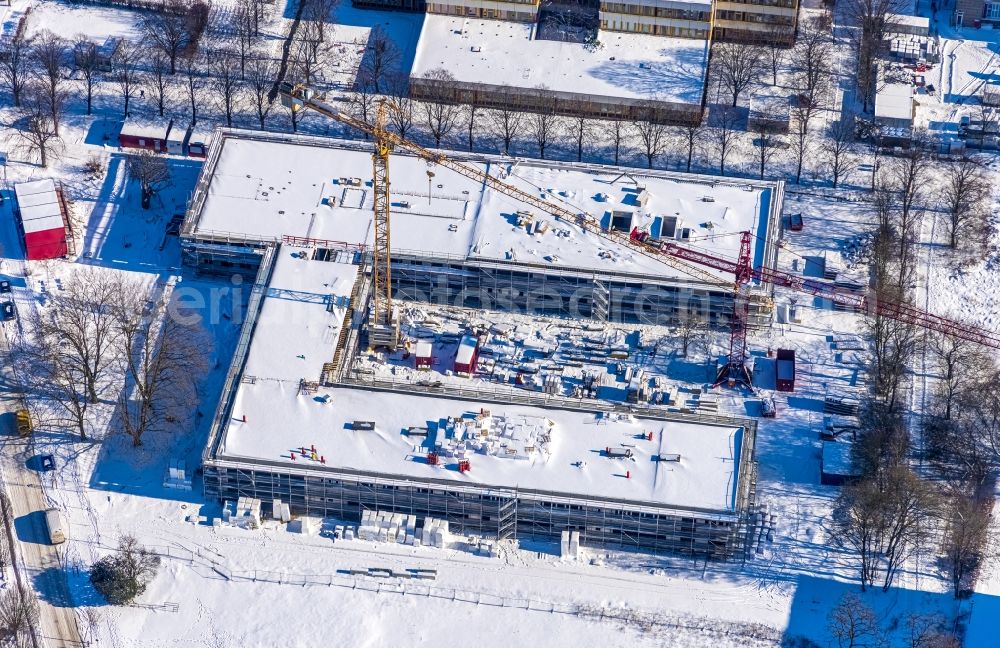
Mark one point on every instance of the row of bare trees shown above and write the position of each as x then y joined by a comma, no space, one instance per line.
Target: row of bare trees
890,512
105,339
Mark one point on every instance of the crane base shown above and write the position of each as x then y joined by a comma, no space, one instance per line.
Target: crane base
734,376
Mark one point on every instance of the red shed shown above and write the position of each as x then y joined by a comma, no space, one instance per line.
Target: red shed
42,219
465,357
425,350
151,135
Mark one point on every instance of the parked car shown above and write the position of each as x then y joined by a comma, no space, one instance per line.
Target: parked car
7,311
767,408
56,525
24,426
4,285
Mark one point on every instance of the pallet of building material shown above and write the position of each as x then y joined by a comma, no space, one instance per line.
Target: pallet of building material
841,406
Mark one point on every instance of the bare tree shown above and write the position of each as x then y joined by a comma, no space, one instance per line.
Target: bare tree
653,138
246,33
908,174
37,132
966,195
873,20
381,56
75,341
18,614
767,143
156,78
125,72
852,624
259,79
738,67
774,56
364,97
137,564
966,533
691,327
87,60
506,120
194,81
400,111
14,64
959,362
163,359
440,118
580,128
51,56
543,123
908,504
226,83
168,30
151,172
724,121
858,520
320,12
690,136
619,137
892,343
470,111
840,148
311,53
801,113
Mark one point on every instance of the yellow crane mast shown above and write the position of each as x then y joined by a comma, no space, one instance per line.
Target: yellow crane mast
383,329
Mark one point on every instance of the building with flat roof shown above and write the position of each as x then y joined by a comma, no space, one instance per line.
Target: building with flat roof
756,21
460,242
894,105
493,63
531,467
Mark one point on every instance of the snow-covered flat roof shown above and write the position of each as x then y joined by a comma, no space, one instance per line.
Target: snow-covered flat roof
561,450
626,65
152,128
280,421
300,318
894,101
320,188
39,205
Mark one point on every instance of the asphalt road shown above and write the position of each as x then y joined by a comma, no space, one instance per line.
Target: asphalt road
39,560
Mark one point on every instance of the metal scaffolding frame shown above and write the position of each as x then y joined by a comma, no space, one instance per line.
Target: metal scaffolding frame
499,512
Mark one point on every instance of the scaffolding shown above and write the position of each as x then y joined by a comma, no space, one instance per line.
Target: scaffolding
500,512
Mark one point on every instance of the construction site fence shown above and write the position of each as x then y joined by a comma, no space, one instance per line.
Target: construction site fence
513,395
403,585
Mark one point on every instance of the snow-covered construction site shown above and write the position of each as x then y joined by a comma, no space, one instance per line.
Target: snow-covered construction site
525,433
511,322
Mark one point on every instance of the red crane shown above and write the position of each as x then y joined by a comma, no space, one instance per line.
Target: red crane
685,259
860,301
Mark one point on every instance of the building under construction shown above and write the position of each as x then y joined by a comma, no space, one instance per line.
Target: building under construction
296,423
528,466
457,242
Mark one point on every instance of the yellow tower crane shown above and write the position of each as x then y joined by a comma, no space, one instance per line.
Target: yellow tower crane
383,328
